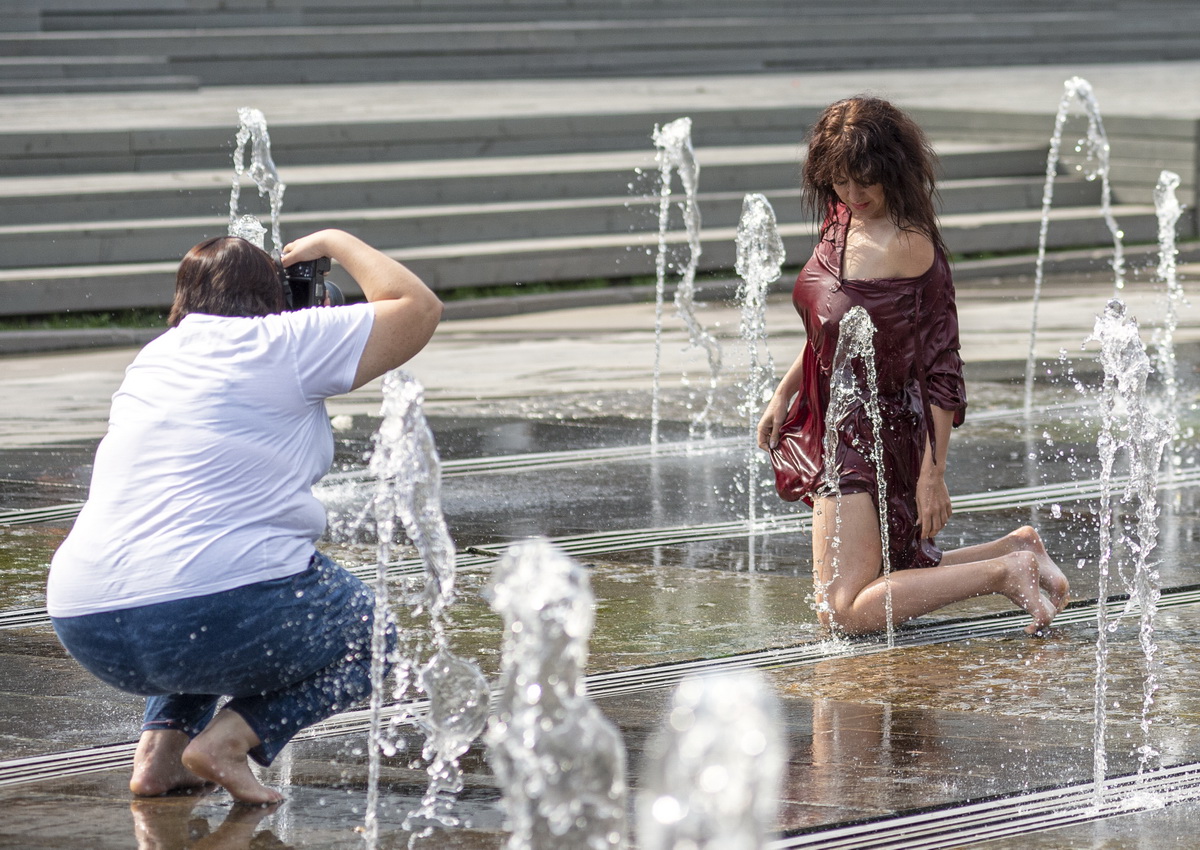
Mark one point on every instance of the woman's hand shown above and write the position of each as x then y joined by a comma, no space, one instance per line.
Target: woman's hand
933,498
771,422
933,501
777,407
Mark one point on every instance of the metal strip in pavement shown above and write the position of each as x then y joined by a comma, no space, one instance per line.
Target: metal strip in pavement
532,461
957,824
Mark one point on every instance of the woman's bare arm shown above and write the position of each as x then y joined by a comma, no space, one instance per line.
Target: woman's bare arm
777,407
933,497
406,311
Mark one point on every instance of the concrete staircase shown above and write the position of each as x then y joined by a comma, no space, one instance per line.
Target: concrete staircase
89,232
110,45
94,216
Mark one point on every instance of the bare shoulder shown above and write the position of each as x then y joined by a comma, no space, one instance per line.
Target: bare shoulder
912,253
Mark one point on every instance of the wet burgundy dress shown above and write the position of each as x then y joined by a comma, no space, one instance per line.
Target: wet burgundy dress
917,362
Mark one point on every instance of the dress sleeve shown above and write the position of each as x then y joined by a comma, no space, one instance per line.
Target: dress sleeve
939,334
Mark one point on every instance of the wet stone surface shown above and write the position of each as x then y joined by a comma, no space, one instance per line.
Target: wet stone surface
870,735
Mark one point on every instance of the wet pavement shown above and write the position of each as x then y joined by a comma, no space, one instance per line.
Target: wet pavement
964,710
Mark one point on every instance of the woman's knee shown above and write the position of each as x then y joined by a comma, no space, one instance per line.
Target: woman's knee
1026,537
840,613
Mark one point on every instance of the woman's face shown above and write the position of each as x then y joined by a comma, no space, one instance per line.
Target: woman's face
866,202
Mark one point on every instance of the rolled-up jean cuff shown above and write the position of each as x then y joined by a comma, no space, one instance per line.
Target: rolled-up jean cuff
188,713
166,726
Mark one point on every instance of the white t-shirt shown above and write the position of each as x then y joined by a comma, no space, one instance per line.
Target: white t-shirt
204,480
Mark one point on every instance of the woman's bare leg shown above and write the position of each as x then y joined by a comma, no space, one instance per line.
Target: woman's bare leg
158,766
1024,539
219,754
856,592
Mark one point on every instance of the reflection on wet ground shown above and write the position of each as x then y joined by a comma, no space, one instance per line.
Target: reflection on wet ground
871,734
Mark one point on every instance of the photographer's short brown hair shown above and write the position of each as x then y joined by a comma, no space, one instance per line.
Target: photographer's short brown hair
227,276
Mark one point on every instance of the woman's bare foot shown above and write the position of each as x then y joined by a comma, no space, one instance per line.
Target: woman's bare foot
1021,586
1050,577
219,754
158,766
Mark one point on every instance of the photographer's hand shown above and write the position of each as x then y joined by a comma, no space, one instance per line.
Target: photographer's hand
406,311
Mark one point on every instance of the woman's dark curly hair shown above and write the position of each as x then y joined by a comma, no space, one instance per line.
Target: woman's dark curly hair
227,276
868,140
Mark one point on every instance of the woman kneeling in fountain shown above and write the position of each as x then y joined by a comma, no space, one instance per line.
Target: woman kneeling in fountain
191,572
869,179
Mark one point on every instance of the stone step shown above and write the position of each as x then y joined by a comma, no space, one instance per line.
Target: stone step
323,54
25,68
70,85
743,168
447,267
620,255
151,239
244,54
229,35
141,146
150,14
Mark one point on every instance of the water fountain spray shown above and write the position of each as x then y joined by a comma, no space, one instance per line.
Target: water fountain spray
713,772
1127,423
1095,148
856,345
559,762
248,227
252,130
760,256
675,153
407,472
1168,210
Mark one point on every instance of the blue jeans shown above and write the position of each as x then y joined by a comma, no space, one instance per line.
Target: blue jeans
290,652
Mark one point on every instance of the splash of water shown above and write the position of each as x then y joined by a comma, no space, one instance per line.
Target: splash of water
675,153
252,132
1095,149
847,389
249,228
1127,424
407,471
760,256
1168,210
559,762
713,771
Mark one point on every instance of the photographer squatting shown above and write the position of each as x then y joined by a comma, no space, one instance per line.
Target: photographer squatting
191,573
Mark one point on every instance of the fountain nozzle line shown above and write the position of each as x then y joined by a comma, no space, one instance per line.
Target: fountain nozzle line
617,683
634,539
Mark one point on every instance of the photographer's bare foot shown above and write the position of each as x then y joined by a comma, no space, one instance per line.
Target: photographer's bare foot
158,766
239,830
219,754
165,824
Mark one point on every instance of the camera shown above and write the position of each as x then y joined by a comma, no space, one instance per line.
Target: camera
305,285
